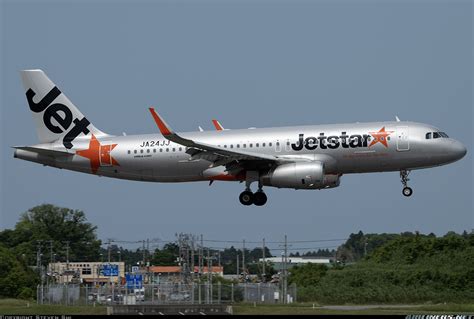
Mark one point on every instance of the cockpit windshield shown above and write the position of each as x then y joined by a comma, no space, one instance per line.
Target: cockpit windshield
431,135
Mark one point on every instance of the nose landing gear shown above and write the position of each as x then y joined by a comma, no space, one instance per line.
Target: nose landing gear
407,191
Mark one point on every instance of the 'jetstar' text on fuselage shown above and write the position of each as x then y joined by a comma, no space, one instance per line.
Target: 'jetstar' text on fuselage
331,142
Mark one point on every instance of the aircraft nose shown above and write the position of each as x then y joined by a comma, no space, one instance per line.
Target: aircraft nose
458,150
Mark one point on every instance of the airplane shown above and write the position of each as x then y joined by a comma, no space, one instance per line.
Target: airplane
296,157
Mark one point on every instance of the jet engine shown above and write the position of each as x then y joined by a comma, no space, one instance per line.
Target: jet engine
331,181
301,175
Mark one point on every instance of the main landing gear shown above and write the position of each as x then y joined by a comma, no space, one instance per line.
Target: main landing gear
407,191
248,198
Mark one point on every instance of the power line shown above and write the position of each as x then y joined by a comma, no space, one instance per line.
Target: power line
274,242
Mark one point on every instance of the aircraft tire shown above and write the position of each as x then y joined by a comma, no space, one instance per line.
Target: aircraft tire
407,191
246,198
259,198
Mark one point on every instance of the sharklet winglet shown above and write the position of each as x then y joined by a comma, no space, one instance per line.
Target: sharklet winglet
162,126
217,125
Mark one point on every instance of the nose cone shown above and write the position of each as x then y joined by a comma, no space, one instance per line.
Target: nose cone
457,150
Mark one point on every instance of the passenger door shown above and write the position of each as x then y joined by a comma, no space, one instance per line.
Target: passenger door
403,142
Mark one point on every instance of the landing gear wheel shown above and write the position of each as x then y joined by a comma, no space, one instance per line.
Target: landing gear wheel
259,198
246,198
407,191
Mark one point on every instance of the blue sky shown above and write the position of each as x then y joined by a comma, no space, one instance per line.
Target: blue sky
249,64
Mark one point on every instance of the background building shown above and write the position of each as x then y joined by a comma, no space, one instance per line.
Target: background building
277,262
163,274
89,273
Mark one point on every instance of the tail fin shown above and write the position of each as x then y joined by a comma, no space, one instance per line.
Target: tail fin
56,118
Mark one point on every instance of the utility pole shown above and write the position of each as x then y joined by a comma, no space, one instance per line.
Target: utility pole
209,296
201,256
109,252
243,257
108,249
238,268
147,249
192,258
50,260
285,297
284,271
263,264
67,262
39,268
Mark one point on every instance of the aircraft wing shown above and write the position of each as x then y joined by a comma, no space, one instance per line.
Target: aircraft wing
223,156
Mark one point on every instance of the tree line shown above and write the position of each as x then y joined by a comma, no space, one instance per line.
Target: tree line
406,267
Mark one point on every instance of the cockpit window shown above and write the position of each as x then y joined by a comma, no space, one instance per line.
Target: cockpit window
431,135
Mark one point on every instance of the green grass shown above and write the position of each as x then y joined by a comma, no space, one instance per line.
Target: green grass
25,307
307,309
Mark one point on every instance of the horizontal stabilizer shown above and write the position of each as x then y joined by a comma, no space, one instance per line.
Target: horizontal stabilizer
43,151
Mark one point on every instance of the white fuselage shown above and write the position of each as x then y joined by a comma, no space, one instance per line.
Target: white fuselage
344,148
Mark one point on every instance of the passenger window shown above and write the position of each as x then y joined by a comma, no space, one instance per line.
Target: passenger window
135,151
231,145
128,152
154,150
270,144
245,145
250,145
161,150
174,150
225,146
167,149
428,136
256,145
238,145
180,149
263,144
148,150
141,151
436,135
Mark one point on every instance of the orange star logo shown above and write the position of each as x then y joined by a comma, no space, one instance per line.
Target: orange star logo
380,136
99,155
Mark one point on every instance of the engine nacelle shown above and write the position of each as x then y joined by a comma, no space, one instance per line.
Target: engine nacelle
331,181
299,175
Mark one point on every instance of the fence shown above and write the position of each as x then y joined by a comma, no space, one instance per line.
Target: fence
164,293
